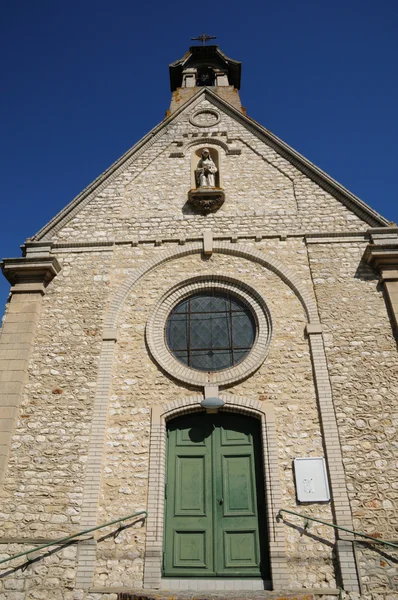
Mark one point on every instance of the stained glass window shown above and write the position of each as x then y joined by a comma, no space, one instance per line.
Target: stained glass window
210,331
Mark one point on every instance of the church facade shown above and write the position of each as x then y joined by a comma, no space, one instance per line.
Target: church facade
205,336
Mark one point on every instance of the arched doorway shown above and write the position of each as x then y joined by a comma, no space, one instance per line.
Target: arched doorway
215,503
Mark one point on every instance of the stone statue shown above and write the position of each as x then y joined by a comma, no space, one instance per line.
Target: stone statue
206,170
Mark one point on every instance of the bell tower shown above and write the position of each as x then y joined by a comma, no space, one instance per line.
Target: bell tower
204,66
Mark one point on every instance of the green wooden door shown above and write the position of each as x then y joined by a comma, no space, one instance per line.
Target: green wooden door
214,498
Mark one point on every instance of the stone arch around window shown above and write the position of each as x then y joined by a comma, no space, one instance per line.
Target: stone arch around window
206,141
157,322
157,463
240,250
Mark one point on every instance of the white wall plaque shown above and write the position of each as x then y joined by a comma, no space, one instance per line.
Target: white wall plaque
311,480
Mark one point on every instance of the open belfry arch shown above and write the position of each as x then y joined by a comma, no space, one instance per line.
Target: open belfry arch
211,315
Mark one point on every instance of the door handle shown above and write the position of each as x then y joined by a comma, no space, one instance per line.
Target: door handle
221,501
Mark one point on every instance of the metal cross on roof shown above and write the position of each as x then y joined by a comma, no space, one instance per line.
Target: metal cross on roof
204,38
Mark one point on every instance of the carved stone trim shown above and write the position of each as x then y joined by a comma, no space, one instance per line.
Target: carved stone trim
382,255
313,328
207,242
30,273
157,323
206,200
383,234
206,138
222,247
210,111
333,455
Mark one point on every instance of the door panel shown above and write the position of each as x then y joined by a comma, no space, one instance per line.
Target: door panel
214,521
230,437
238,486
241,549
239,521
194,435
190,486
189,540
190,549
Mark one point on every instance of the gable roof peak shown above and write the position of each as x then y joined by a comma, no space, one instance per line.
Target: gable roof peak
352,202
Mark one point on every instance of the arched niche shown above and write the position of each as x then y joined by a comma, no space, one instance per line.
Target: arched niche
205,76
196,155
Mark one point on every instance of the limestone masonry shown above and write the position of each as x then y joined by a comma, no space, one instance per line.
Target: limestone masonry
89,387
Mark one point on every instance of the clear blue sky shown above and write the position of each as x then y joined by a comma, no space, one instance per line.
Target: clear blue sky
84,80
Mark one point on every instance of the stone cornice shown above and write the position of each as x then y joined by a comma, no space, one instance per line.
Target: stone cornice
30,274
31,248
382,256
382,252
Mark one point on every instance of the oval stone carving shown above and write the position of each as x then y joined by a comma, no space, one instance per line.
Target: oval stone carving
205,118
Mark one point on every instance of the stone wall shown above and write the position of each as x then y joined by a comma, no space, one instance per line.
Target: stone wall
379,571
182,95
47,574
43,484
363,364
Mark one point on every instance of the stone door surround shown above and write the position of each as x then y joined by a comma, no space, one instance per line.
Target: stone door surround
157,463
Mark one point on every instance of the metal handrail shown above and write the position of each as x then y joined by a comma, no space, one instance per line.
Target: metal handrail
73,536
308,518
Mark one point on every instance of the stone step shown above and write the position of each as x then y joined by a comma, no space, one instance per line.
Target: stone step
118,594
208,595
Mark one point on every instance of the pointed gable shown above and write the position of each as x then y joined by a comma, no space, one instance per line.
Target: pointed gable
262,176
